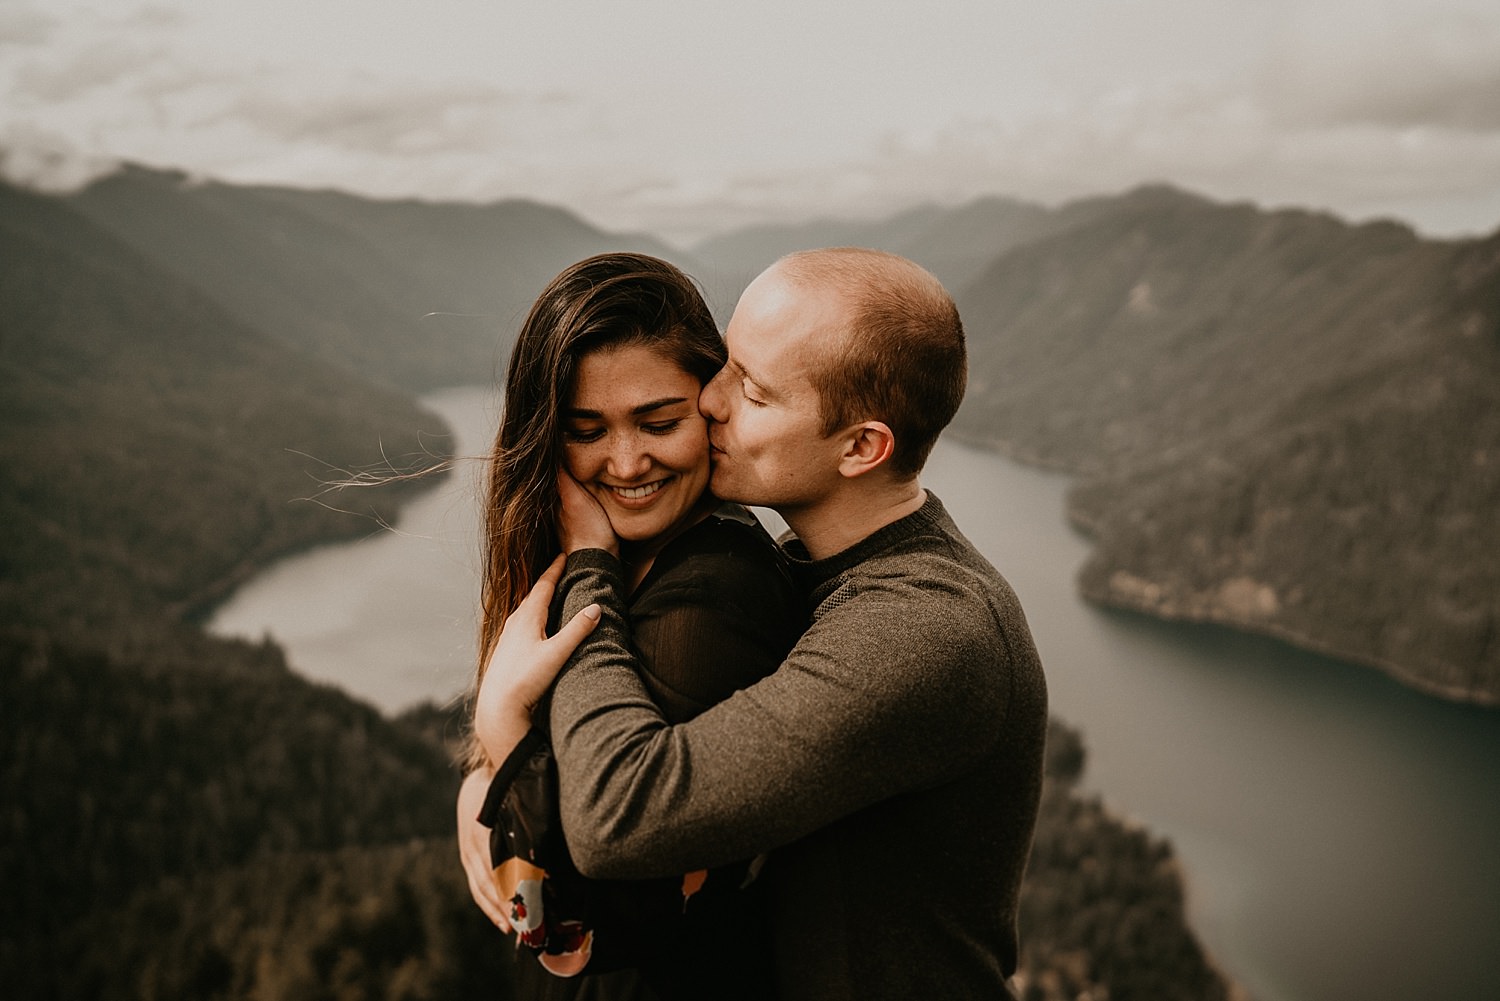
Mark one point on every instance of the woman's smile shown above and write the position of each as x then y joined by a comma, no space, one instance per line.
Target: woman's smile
637,496
633,436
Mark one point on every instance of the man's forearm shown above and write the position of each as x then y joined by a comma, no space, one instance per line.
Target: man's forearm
845,722
599,708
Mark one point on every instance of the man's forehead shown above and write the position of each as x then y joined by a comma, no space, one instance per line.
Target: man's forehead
768,354
777,291
780,325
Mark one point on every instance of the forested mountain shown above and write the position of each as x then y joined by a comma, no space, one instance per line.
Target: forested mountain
125,771
154,450
1281,422
1284,423
414,294
152,447
183,368
954,243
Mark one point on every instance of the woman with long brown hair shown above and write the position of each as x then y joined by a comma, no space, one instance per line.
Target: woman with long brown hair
603,387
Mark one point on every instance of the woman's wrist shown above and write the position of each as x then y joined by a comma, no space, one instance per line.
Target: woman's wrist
500,732
501,714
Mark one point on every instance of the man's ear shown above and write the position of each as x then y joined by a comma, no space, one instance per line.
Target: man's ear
868,445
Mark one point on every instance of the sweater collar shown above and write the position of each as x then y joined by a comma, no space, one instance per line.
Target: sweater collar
810,574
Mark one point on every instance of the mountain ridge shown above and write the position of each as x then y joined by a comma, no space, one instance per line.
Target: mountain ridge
1270,415
416,295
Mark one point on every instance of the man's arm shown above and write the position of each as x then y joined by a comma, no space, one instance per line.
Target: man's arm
877,699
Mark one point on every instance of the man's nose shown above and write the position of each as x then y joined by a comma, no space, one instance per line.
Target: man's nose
712,401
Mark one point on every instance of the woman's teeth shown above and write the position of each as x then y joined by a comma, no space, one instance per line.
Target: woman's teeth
636,493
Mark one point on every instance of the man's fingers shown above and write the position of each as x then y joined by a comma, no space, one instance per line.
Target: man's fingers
571,491
583,523
475,851
474,847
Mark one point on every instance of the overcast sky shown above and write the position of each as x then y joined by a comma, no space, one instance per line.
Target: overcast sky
685,117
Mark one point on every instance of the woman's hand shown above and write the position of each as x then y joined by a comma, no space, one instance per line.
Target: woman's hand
524,665
474,847
582,522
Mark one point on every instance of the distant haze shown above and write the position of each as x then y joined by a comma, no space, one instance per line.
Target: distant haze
687,119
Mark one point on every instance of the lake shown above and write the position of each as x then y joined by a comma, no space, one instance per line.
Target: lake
1340,834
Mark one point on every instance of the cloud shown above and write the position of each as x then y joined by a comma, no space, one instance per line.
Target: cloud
381,118
154,16
24,26
1440,71
1396,108
1456,96
97,66
35,158
1221,140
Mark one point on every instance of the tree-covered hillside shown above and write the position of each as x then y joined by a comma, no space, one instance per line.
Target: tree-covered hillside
413,294
183,756
1284,423
153,449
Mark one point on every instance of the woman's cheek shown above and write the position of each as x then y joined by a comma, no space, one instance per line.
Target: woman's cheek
575,462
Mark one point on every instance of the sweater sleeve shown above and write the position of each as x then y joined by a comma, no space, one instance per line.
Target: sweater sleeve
882,695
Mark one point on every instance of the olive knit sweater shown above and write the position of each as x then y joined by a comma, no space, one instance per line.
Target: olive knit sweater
892,766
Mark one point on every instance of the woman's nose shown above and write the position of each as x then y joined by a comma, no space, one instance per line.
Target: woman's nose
627,459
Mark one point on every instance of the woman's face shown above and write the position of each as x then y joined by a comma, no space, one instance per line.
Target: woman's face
632,435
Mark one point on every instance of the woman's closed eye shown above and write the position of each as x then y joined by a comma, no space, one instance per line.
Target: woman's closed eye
585,436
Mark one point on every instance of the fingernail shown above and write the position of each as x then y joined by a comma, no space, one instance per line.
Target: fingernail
593,612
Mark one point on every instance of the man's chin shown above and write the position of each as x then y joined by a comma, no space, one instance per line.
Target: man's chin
725,491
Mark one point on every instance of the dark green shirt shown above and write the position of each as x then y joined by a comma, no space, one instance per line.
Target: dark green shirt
716,612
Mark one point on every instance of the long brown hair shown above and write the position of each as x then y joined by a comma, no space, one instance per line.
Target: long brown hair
609,300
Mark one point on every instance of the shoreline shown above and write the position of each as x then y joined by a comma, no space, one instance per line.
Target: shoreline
1088,528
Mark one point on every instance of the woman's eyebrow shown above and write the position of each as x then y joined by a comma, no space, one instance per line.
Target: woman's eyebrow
581,414
668,401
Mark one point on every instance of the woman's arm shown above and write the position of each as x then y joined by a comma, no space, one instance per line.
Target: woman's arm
474,847
524,665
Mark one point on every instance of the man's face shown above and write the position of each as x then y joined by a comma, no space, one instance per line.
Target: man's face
766,430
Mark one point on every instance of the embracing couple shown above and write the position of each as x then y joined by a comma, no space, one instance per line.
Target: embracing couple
705,765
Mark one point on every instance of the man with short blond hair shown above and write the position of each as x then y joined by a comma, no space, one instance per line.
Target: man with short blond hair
891,767
907,361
